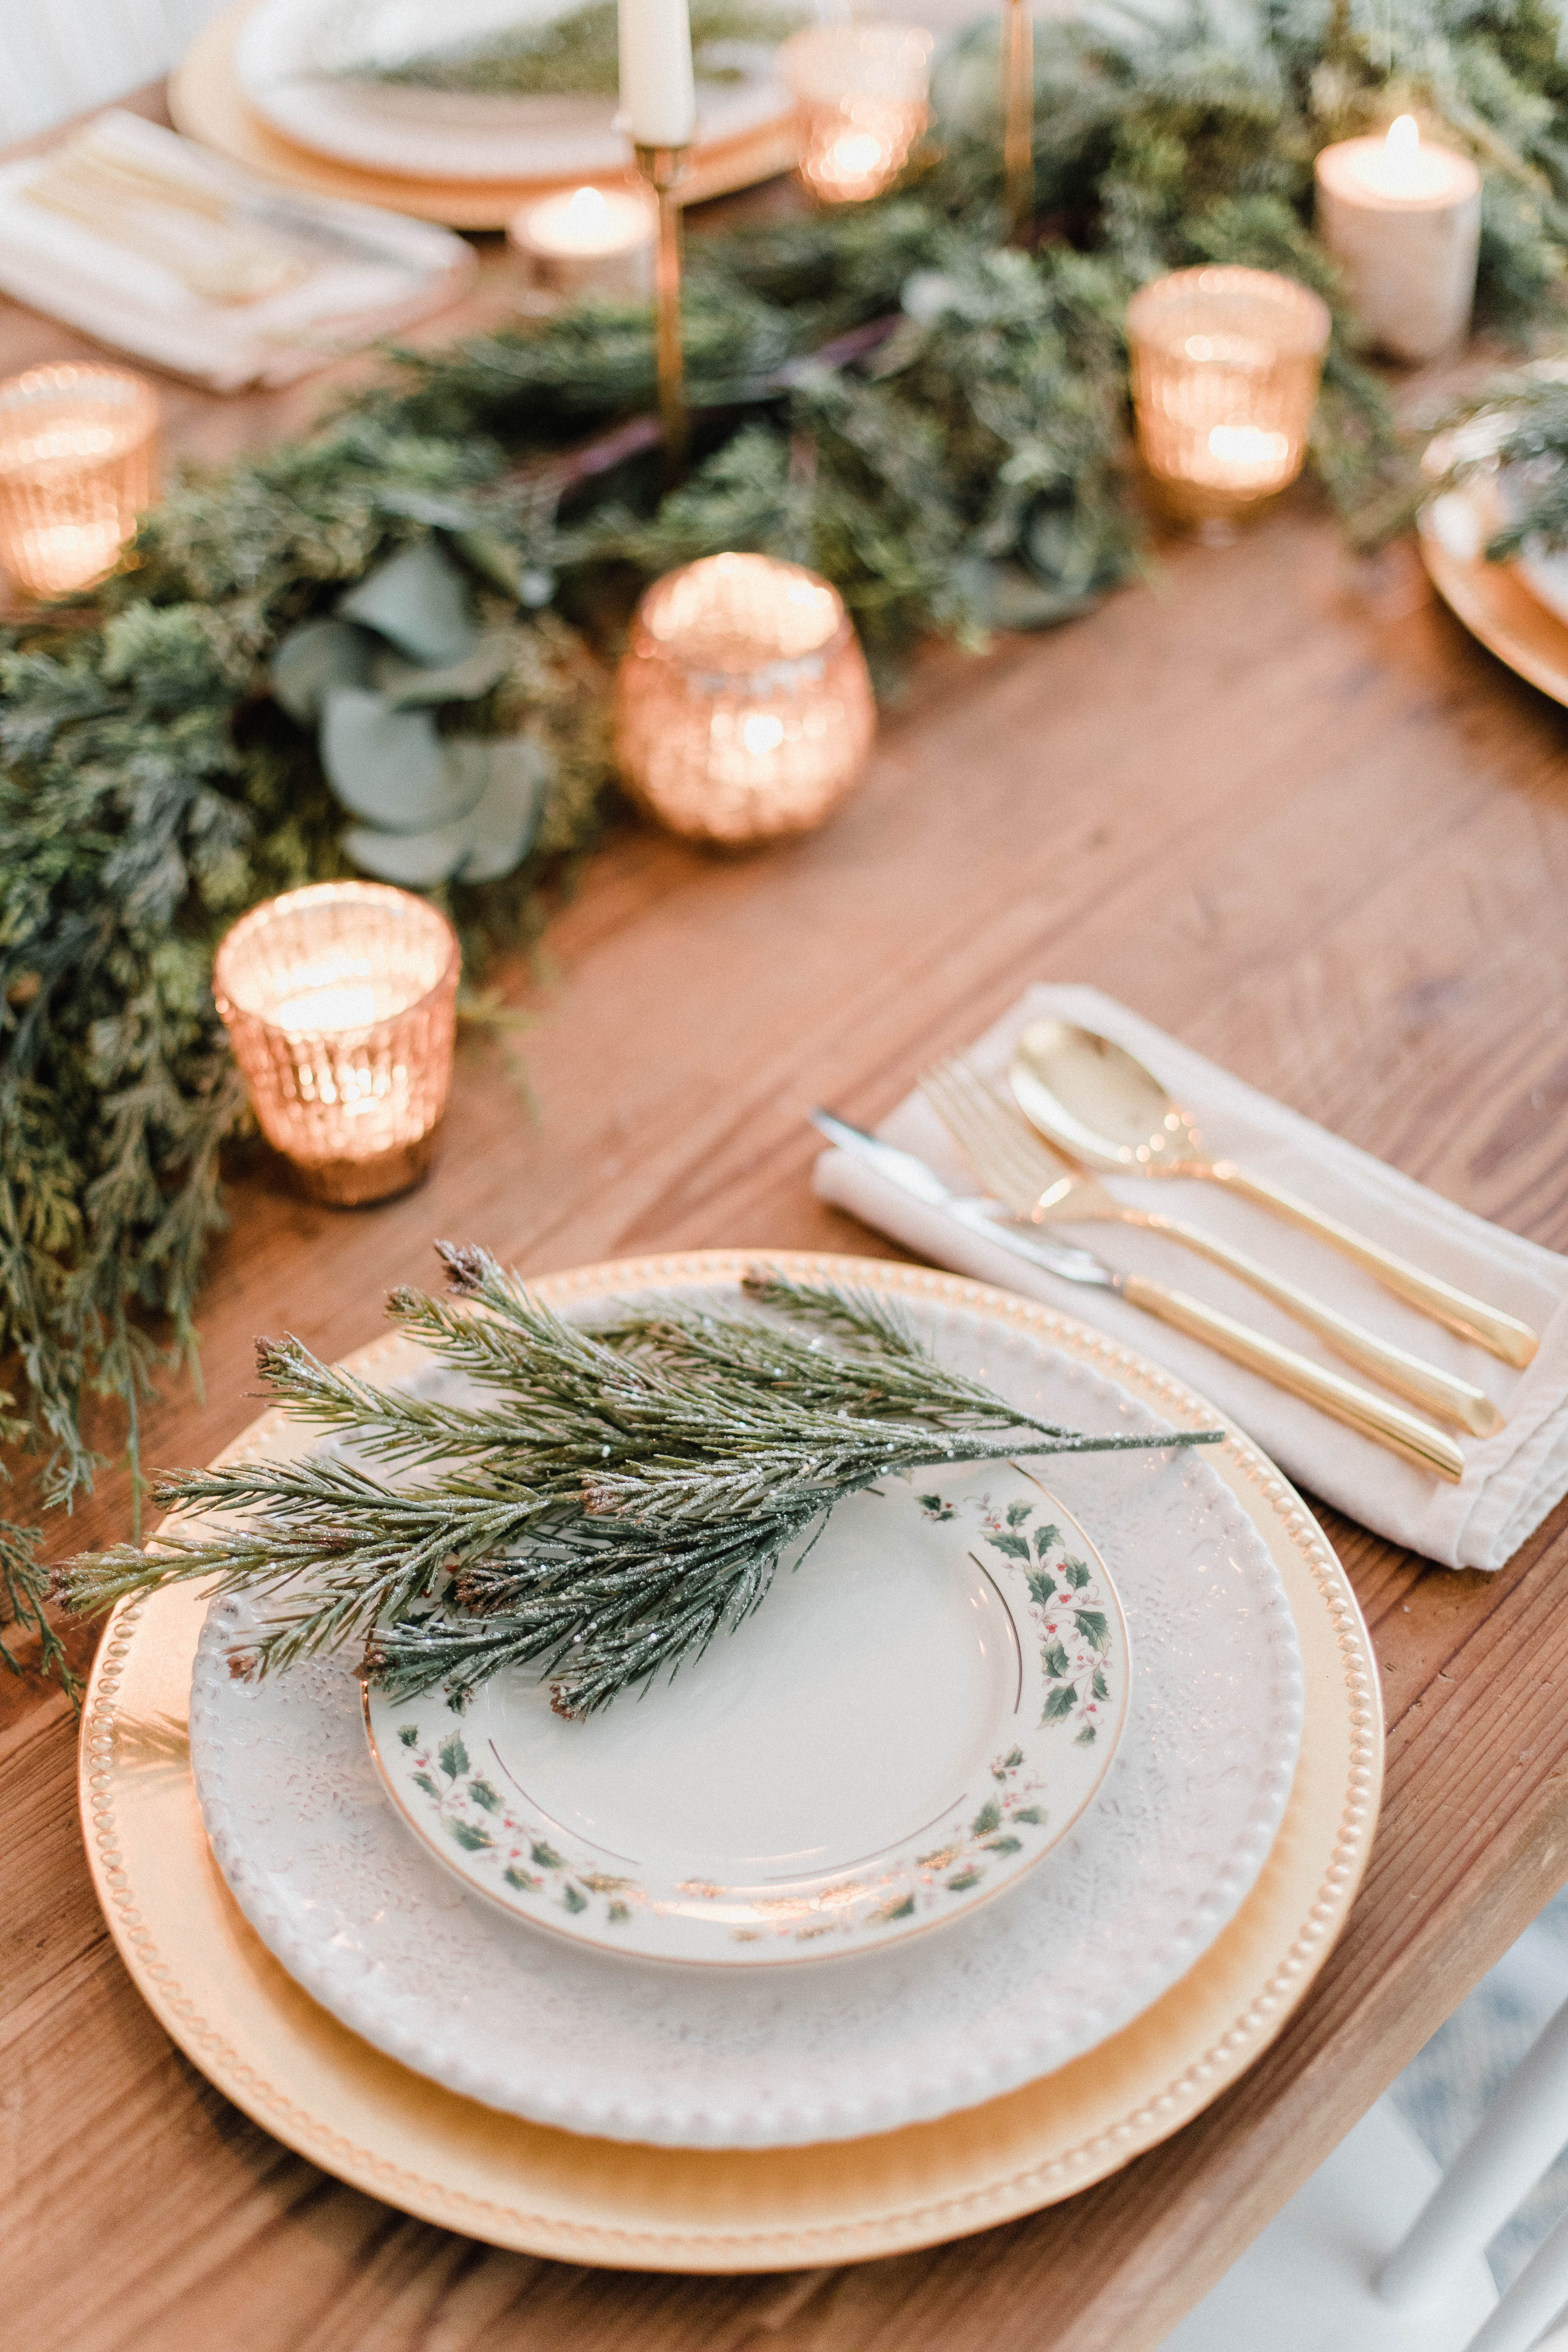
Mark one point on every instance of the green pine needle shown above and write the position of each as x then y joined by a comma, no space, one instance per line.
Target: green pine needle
629,1495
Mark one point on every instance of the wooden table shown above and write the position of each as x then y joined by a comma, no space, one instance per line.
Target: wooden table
1275,800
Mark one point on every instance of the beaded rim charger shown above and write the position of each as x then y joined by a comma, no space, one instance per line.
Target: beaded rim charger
320,2090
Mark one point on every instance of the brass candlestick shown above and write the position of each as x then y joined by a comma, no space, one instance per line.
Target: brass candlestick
662,168
1018,118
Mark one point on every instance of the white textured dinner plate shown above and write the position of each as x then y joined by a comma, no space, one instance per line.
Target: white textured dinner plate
435,1974
920,1710
289,61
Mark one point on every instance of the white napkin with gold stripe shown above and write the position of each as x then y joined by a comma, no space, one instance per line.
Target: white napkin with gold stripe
1512,1480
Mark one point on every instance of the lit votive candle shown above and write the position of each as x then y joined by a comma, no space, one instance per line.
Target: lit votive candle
861,97
744,709
78,450
589,241
1225,364
1403,219
340,1004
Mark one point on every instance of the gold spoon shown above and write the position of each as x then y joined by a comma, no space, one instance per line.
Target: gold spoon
1097,1103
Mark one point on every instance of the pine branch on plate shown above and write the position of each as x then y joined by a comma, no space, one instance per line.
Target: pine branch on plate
626,1490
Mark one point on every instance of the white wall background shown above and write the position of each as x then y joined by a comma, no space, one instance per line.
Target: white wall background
58,57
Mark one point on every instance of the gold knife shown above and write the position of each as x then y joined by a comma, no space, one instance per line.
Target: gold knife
1379,1418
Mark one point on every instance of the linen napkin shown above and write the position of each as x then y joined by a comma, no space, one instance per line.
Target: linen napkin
1512,1480
145,209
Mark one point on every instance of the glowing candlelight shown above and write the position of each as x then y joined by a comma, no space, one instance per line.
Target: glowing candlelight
588,241
744,709
76,452
340,1001
860,93
1403,218
1225,379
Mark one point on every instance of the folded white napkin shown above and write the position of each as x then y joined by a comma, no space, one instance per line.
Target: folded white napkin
363,272
1511,1481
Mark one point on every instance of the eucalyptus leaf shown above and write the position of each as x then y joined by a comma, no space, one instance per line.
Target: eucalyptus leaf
315,657
501,779
419,600
407,684
415,861
515,771
389,766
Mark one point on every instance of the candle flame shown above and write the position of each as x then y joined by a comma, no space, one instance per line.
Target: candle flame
1250,450
762,732
587,208
1403,144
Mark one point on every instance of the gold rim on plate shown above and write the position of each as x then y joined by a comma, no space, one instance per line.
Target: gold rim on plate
209,105
1494,601
323,2091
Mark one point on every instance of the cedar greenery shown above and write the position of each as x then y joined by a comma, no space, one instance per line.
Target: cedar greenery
624,1493
936,423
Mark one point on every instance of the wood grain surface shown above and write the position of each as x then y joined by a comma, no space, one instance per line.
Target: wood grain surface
1280,803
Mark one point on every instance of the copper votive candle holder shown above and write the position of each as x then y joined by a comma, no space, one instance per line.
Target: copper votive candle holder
341,1003
743,707
78,450
861,97
1226,363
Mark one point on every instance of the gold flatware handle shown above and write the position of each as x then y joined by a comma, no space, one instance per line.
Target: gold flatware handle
1503,1335
1408,1376
1389,1425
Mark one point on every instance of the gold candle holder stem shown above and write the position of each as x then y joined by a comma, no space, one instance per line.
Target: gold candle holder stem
1018,118
662,168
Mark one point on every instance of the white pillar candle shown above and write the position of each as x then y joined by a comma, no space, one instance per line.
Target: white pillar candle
1403,219
588,241
658,95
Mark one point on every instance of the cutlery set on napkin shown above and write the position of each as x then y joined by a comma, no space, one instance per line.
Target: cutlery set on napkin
153,246
1071,1111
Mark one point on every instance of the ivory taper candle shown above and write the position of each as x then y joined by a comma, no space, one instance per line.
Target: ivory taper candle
1403,219
659,93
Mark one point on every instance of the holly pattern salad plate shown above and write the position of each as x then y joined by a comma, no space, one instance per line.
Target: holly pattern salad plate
924,1707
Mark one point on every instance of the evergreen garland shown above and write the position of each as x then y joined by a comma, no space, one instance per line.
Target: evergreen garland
936,423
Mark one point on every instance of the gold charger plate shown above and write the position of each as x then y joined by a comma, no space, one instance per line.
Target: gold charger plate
320,2090
209,105
1495,600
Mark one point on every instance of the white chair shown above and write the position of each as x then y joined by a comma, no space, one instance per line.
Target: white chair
60,57
1380,2253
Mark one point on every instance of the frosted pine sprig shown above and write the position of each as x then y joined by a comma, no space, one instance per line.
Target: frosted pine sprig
624,1492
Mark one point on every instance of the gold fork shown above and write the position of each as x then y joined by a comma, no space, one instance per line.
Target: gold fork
1039,1188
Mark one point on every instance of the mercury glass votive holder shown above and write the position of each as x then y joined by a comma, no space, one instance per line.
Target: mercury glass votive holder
341,1003
861,97
1226,363
743,707
78,451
